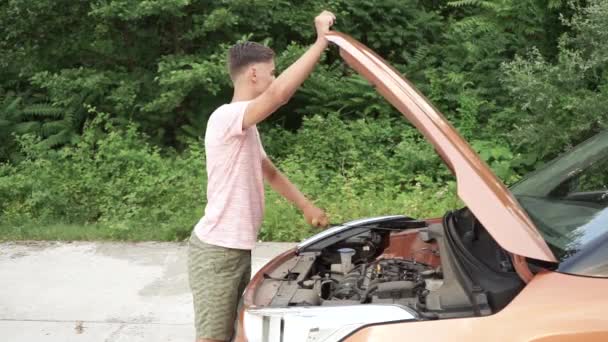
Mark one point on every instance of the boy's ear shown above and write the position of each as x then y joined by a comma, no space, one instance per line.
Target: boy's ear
253,74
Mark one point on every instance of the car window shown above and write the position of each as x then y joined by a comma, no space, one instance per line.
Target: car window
568,202
590,185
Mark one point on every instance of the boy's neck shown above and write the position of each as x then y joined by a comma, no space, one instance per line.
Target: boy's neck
243,94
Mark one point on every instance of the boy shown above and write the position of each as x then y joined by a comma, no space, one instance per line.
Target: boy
219,253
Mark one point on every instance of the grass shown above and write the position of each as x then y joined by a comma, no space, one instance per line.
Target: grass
282,221
84,232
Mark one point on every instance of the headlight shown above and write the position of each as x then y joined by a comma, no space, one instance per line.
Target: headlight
306,324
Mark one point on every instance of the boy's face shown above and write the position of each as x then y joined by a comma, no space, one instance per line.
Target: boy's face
261,76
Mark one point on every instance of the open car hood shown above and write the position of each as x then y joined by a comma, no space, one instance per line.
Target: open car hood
483,193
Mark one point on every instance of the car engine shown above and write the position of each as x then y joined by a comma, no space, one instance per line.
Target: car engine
396,262
368,276
386,281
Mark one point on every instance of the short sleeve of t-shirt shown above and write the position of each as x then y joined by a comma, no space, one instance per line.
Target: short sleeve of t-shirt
227,122
263,152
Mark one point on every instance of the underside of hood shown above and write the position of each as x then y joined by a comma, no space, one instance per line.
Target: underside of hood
484,194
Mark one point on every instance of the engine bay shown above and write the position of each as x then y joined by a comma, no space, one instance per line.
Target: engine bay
378,275
383,281
397,261
387,265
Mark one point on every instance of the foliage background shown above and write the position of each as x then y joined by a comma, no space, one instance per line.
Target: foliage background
103,106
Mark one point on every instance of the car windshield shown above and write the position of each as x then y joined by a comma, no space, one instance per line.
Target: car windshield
567,199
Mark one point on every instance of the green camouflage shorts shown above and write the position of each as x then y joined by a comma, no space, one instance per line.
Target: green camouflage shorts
218,276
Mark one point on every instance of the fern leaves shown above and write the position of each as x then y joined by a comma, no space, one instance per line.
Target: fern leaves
43,110
53,125
474,3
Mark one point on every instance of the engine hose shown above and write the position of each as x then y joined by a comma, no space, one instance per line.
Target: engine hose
428,315
367,293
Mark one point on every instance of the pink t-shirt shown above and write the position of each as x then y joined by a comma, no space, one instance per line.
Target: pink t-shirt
235,182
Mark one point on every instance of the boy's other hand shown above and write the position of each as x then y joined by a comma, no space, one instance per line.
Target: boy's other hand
315,216
323,22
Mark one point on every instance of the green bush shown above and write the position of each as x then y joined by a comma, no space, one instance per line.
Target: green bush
521,80
113,178
127,189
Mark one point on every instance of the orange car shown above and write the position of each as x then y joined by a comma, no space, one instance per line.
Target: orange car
525,264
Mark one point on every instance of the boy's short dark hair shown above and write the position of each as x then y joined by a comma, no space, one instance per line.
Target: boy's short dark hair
243,54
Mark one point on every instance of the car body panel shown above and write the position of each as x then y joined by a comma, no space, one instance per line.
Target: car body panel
320,323
484,194
343,228
552,307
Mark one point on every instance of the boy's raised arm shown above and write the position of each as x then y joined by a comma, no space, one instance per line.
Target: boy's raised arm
283,88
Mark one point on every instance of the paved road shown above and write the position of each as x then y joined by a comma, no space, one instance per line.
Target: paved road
86,291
